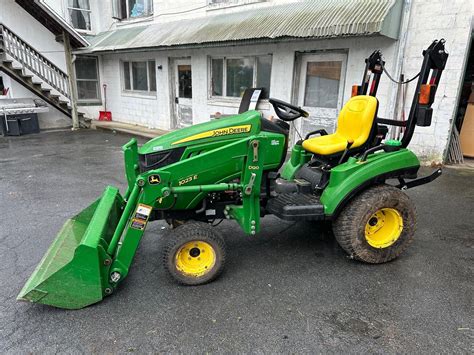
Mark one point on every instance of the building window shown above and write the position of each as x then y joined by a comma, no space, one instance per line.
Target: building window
87,79
322,84
139,76
231,76
80,14
129,9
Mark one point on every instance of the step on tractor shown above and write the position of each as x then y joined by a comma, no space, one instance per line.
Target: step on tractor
236,168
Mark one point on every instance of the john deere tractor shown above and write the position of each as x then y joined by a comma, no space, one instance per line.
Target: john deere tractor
235,168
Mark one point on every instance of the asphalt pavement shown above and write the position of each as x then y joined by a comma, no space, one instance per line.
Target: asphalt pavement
290,289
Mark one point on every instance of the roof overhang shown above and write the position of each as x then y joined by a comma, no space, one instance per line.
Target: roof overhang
298,20
52,21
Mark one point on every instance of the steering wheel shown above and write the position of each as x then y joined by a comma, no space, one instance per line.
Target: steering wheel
287,112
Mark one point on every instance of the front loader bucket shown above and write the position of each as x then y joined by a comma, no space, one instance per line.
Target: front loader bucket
74,271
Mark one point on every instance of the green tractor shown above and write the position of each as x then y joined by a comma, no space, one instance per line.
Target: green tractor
229,169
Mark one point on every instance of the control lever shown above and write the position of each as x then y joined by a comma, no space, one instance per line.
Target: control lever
350,142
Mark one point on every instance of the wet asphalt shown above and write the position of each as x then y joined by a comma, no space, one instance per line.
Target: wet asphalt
290,289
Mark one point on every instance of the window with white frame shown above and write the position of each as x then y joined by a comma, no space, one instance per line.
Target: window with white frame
139,76
230,76
130,9
87,79
80,14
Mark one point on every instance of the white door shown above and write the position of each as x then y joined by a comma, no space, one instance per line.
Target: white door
183,93
320,91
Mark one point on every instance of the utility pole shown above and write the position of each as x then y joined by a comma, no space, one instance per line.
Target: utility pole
71,73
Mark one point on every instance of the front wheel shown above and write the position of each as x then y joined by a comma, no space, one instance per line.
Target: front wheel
195,253
377,225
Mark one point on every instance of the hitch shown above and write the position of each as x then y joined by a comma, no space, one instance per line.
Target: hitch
404,185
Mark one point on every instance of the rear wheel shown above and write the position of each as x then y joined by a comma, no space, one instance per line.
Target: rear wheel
195,253
377,225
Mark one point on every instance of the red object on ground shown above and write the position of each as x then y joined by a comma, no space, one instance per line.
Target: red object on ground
105,115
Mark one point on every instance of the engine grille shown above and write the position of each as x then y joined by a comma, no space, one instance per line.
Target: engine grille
159,159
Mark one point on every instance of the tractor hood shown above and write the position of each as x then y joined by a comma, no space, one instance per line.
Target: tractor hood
219,129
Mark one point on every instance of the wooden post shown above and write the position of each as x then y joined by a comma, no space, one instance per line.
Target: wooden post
72,81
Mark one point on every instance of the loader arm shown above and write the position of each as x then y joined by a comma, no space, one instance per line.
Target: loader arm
94,251
148,194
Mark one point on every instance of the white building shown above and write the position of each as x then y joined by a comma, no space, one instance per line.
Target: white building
168,64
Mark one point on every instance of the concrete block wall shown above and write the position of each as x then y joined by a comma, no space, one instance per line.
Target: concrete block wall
430,19
125,107
449,19
155,111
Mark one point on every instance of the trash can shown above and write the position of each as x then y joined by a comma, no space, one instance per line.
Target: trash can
17,125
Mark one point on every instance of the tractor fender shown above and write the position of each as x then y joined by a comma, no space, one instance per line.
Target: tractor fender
349,179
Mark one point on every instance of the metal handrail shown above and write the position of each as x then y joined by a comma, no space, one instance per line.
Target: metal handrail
33,60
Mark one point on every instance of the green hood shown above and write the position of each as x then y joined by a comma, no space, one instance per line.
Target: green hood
232,127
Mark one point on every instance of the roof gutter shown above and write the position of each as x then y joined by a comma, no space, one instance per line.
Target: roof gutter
235,43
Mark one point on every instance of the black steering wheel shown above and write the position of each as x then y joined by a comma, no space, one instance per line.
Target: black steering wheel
287,112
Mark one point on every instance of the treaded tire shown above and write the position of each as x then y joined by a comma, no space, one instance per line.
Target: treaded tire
190,232
349,227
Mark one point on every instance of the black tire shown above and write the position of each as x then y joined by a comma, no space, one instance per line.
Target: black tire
186,245
350,226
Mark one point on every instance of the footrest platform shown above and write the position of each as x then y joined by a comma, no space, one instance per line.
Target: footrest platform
296,207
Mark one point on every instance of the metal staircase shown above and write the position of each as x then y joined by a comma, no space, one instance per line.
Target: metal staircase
27,66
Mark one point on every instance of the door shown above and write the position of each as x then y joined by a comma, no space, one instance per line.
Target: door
183,93
320,91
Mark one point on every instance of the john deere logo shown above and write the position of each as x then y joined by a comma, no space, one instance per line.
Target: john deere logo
216,133
154,179
230,130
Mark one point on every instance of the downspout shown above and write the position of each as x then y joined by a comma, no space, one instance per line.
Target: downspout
395,109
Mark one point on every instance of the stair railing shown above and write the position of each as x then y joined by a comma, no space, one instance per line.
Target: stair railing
33,60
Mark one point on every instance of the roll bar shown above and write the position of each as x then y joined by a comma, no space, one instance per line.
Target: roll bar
434,62
373,66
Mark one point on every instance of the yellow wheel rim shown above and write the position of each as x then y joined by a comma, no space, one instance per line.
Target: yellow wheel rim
195,258
383,228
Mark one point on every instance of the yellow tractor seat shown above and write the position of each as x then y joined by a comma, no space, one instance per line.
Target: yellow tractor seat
355,123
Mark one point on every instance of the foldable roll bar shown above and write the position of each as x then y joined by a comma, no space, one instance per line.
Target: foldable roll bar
373,66
434,62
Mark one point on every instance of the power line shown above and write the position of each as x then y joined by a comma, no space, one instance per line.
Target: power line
180,12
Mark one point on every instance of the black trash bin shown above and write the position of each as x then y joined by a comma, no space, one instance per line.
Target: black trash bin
17,125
